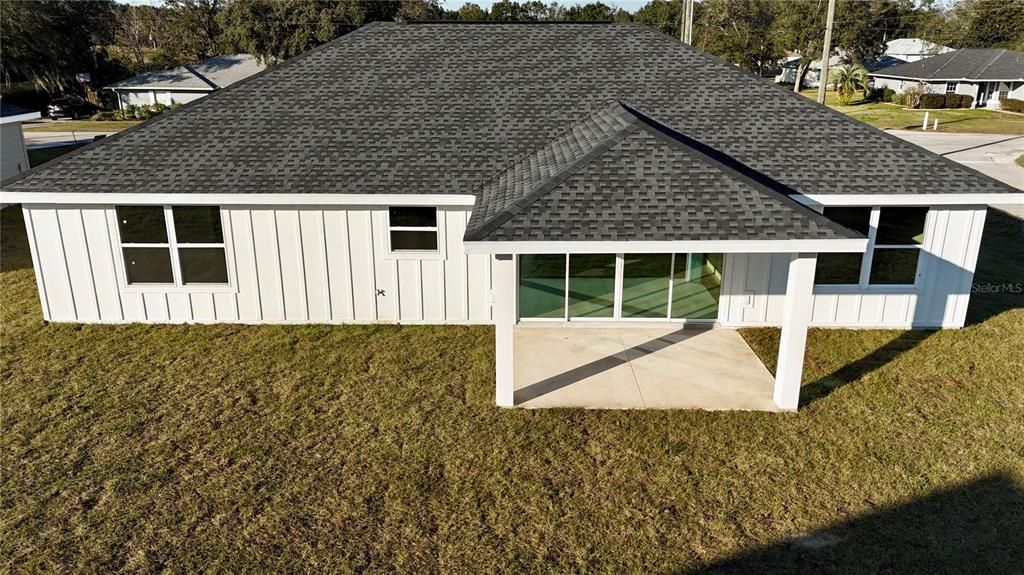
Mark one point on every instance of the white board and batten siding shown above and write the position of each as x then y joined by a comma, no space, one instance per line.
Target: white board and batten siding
286,265
754,285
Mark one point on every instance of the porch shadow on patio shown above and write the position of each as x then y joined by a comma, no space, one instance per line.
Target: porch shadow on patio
658,367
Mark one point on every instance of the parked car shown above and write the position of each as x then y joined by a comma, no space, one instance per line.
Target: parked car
70,108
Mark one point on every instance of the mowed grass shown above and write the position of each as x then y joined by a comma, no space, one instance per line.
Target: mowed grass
895,117
376,449
81,126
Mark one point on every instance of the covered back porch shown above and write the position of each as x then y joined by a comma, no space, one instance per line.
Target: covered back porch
605,337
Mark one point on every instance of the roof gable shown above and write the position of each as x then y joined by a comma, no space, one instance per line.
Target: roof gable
619,175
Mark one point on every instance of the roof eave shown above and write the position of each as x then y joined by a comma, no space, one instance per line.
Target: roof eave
810,245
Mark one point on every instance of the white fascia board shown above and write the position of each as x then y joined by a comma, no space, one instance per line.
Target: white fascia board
20,118
910,199
689,246
160,88
186,199
929,80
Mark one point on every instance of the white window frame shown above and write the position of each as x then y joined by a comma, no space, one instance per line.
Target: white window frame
864,284
438,228
172,244
954,85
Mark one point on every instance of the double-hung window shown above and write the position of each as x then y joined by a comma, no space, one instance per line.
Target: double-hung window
172,246
413,229
950,87
895,238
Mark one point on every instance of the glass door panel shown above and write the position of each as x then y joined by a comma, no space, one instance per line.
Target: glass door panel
645,279
696,285
591,285
542,286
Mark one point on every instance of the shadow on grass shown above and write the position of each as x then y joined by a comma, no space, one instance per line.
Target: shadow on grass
14,252
851,372
998,286
977,527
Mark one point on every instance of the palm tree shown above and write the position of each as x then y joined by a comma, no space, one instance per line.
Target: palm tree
848,80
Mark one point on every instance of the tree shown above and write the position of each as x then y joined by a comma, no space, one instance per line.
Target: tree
50,41
739,31
987,24
472,12
593,12
274,30
800,25
413,10
862,26
848,80
194,30
662,15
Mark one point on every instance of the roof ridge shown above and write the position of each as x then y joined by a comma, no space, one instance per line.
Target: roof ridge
999,54
551,182
758,180
203,78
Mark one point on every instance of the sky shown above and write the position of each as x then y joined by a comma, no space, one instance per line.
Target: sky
628,5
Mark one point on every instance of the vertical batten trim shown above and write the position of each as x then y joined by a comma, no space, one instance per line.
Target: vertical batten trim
88,263
255,266
64,257
113,261
325,264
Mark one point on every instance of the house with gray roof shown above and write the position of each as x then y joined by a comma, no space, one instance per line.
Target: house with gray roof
185,83
986,74
12,140
601,194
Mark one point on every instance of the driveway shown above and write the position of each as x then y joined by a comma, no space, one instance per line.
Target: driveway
35,140
991,154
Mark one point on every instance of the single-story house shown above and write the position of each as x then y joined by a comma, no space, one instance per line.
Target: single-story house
812,77
987,74
515,175
12,140
914,49
185,83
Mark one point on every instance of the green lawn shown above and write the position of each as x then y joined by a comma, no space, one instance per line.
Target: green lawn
82,126
376,449
39,156
892,116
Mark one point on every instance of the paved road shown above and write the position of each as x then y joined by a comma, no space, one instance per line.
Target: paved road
992,154
50,139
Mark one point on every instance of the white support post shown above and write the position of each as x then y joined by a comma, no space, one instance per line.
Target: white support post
796,316
504,294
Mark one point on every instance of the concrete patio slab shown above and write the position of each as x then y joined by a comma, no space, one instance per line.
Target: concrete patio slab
658,367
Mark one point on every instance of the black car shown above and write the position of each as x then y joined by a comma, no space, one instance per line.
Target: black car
70,108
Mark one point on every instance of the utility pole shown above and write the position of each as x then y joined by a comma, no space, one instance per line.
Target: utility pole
826,51
686,22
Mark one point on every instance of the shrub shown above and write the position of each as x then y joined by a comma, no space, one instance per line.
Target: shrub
912,96
900,99
951,101
103,116
966,100
932,101
1012,105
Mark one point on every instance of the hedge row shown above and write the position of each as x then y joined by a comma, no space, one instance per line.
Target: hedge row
929,101
1012,105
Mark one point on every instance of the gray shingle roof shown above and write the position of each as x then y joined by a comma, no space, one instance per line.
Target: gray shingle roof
208,75
965,64
443,108
620,176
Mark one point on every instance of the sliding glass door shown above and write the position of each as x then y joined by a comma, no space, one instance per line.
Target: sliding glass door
578,287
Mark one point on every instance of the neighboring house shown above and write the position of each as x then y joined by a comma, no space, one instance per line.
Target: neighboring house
812,77
986,74
12,140
509,174
914,49
185,83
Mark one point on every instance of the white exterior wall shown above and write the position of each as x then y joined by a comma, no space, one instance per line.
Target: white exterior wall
287,265
12,150
149,97
754,285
